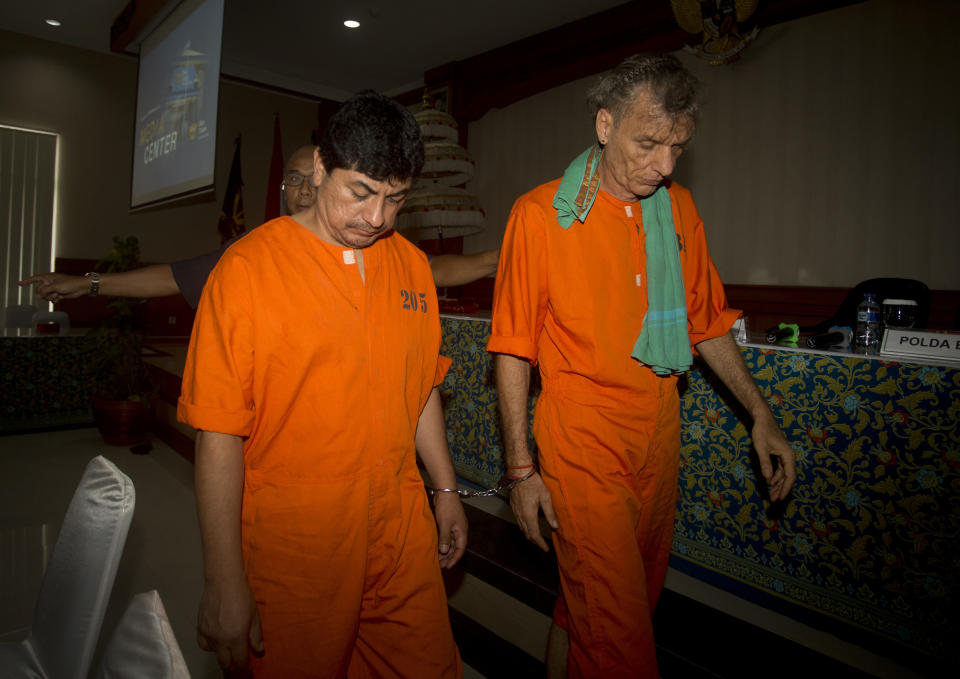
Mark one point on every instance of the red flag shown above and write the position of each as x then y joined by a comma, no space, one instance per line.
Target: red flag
232,222
274,207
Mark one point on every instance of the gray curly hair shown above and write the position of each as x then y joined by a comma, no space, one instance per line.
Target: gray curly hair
672,85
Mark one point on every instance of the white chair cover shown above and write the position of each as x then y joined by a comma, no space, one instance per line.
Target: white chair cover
143,646
79,578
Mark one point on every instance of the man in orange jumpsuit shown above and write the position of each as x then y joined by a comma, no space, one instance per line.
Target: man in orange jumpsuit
572,295
311,378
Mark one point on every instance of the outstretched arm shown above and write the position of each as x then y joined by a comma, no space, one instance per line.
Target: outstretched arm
431,442
723,357
530,496
452,270
150,281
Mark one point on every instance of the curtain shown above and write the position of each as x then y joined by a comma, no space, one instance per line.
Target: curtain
28,161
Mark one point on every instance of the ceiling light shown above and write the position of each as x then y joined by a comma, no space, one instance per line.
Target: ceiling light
52,22
351,23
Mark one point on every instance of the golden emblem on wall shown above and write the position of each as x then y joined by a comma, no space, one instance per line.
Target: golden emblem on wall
719,23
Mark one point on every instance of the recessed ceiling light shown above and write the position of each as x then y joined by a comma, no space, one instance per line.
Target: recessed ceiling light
351,23
53,22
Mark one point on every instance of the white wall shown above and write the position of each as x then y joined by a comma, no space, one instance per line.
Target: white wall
826,156
88,98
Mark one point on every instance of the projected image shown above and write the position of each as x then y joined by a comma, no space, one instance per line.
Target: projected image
175,136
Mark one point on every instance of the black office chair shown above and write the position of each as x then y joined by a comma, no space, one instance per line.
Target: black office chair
883,288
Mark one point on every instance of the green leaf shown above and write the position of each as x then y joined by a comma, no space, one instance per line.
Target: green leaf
888,387
885,487
765,374
858,548
911,402
917,436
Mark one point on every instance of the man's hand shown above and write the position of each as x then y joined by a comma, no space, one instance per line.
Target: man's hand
723,357
228,623
451,528
526,501
769,441
56,286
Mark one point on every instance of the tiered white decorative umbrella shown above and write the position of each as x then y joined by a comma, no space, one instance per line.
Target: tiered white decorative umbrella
447,163
450,210
436,203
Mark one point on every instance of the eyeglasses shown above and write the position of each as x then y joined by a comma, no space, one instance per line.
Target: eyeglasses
296,179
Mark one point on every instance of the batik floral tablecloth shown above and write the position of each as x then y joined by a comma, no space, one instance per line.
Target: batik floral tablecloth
870,533
870,537
43,383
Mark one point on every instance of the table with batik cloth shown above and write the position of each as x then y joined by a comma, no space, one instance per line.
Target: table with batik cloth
868,546
44,381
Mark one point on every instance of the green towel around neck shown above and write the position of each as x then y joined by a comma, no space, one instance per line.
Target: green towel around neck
663,343
578,187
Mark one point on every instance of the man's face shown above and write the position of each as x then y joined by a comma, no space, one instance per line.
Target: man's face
641,149
299,197
354,210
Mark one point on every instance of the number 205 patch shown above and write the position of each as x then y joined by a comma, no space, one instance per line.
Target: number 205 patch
414,301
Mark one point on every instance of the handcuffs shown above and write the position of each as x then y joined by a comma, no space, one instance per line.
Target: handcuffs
505,484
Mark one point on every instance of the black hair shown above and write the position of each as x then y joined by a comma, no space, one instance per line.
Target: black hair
675,89
374,135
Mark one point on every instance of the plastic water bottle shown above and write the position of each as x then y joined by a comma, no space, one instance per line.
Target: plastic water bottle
868,324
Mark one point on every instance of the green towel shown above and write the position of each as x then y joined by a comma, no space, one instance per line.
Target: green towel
663,344
578,188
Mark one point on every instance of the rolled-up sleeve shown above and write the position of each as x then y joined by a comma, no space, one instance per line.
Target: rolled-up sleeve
520,291
217,390
708,314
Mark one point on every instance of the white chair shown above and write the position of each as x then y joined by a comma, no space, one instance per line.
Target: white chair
19,316
143,646
79,578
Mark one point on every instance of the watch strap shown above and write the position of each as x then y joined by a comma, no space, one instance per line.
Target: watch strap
94,282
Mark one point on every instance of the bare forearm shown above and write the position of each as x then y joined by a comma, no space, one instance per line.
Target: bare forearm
150,281
431,442
513,385
724,358
219,487
452,270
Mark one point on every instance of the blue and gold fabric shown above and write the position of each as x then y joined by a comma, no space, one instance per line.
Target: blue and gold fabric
870,537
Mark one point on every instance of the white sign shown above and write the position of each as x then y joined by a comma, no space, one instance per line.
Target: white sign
921,344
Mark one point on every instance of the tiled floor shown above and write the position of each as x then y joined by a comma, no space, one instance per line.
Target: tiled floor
500,635
38,473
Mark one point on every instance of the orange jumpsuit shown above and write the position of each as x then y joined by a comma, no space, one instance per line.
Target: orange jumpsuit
607,428
325,377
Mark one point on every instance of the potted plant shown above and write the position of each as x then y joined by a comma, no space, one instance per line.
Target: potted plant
122,392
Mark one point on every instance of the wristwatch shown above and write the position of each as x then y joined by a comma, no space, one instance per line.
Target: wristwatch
94,282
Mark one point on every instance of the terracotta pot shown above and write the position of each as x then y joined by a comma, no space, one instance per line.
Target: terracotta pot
122,423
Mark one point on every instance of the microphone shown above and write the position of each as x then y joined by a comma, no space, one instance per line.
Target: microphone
835,337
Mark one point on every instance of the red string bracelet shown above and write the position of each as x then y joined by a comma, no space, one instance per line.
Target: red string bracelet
511,477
